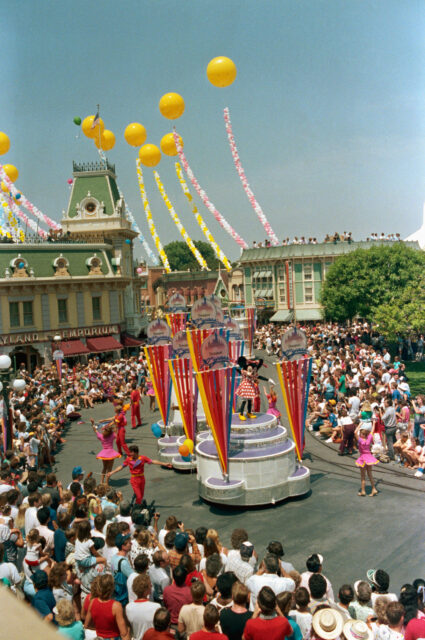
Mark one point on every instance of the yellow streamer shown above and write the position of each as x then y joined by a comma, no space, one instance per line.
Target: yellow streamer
149,218
207,233
178,224
13,223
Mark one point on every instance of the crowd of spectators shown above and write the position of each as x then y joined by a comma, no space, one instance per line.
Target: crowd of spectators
334,238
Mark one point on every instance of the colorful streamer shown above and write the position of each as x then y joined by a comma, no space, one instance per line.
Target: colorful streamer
181,371
156,357
236,349
149,219
251,317
14,212
199,219
177,321
178,223
23,201
218,390
201,193
294,378
195,338
254,204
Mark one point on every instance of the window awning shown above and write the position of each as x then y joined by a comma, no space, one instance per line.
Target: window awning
106,343
256,274
283,315
268,274
73,348
309,314
130,341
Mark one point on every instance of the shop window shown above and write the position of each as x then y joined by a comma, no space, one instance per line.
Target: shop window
96,308
63,311
14,314
28,313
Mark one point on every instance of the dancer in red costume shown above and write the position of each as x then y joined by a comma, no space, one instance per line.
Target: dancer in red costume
136,464
120,422
136,401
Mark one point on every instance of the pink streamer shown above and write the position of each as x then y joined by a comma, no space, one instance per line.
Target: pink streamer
22,216
254,204
26,203
201,193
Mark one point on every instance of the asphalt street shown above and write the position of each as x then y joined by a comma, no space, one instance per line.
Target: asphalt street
352,533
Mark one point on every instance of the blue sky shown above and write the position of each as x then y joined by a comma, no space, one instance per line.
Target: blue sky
327,108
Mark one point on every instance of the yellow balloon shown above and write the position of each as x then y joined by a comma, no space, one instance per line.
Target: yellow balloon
221,71
11,172
88,131
171,106
168,146
149,155
107,140
189,444
135,134
4,187
4,143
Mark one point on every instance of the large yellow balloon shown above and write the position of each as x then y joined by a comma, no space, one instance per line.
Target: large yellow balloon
88,131
4,143
221,71
135,134
168,145
149,155
171,106
107,140
11,172
4,187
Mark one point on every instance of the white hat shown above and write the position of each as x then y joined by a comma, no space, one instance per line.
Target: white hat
357,630
328,624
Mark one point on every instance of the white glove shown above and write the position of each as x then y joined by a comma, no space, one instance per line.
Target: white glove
271,381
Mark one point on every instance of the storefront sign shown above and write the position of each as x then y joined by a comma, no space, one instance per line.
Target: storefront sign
65,334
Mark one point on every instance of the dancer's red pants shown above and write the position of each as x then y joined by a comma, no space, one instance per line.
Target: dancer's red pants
135,415
121,443
138,484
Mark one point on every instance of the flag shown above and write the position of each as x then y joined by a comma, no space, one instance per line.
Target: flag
294,378
96,120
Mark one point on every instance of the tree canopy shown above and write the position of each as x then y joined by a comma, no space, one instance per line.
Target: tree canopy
181,258
377,284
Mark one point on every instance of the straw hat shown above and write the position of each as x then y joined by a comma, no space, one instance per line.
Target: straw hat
328,624
357,630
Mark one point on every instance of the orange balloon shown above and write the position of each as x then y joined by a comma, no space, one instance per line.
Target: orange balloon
149,155
171,106
168,145
184,451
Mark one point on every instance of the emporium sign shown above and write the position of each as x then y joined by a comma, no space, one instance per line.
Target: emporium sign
65,334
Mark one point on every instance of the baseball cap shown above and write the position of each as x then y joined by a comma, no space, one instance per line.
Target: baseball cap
181,540
40,579
120,539
77,471
247,549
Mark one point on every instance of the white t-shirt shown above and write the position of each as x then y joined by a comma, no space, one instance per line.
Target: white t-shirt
31,520
9,571
140,616
82,549
203,563
277,585
4,488
303,619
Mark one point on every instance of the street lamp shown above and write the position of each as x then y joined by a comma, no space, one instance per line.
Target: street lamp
6,383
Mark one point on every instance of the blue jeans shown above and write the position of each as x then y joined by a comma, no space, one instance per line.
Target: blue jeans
418,433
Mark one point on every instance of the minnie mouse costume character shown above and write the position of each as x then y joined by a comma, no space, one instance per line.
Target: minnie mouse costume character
248,389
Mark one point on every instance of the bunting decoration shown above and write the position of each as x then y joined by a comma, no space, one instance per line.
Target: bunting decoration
254,204
177,321
195,338
251,317
236,349
137,229
181,371
294,378
15,212
26,203
201,261
157,356
199,219
217,387
149,219
201,193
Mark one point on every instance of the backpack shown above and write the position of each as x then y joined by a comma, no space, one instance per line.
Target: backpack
120,589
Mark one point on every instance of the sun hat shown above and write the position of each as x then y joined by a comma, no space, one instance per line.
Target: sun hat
357,630
181,540
328,624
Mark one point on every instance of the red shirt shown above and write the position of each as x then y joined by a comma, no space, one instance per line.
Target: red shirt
151,634
207,635
135,396
272,629
174,598
194,574
137,467
120,420
415,629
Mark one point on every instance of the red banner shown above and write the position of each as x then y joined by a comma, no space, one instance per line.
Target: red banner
181,370
294,378
217,388
157,357
195,338
176,321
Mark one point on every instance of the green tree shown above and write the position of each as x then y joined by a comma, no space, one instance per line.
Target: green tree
404,315
181,258
365,280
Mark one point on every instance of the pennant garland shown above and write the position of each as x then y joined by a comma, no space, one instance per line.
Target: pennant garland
199,219
157,356
294,378
149,218
177,321
254,204
217,387
11,221
181,371
201,193
13,213
251,316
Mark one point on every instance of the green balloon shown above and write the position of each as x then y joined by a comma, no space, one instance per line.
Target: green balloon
77,121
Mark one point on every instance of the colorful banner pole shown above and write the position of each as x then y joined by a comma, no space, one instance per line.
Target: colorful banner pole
251,316
254,204
149,218
199,258
199,219
177,321
156,357
201,193
181,371
294,378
